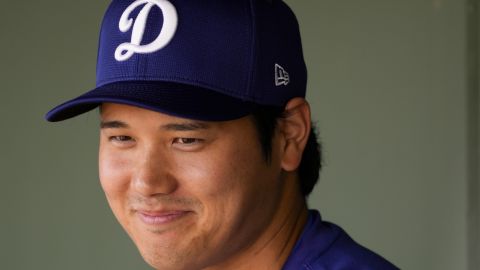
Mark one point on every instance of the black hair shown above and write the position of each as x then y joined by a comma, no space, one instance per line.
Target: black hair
266,119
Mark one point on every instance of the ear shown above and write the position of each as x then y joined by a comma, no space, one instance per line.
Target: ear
294,129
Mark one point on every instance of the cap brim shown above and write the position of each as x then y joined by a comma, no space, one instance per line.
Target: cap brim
175,99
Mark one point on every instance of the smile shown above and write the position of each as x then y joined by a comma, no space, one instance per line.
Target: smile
162,218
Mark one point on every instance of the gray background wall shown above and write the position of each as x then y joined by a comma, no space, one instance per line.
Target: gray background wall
391,93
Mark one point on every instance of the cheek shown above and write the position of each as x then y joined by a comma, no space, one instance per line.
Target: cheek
209,176
113,173
225,180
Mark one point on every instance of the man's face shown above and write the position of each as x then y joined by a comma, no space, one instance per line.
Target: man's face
189,193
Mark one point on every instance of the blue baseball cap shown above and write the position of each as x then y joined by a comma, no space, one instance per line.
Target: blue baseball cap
211,60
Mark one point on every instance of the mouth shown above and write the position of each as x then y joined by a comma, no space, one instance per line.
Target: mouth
159,218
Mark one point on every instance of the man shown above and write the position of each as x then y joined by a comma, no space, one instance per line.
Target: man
206,147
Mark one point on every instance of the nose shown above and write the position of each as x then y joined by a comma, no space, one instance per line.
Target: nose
152,176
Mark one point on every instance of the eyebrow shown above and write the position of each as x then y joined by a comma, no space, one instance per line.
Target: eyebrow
113,124
185,126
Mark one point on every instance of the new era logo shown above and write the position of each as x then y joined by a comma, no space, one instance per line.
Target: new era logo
281,76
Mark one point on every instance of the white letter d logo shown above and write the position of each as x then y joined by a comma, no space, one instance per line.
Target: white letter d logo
170,20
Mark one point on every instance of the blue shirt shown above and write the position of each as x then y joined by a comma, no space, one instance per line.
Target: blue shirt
326,246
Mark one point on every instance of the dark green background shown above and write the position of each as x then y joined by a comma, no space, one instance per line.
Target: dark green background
391,93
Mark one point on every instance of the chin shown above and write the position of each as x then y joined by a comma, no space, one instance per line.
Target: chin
168,263
166,254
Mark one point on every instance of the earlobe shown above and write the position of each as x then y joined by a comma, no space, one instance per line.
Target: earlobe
295,128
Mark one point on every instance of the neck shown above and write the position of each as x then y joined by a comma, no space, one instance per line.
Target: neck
273,247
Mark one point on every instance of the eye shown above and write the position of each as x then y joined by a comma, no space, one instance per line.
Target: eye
120,138
122,141
186,141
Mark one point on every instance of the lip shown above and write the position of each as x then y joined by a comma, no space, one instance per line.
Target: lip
162,217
